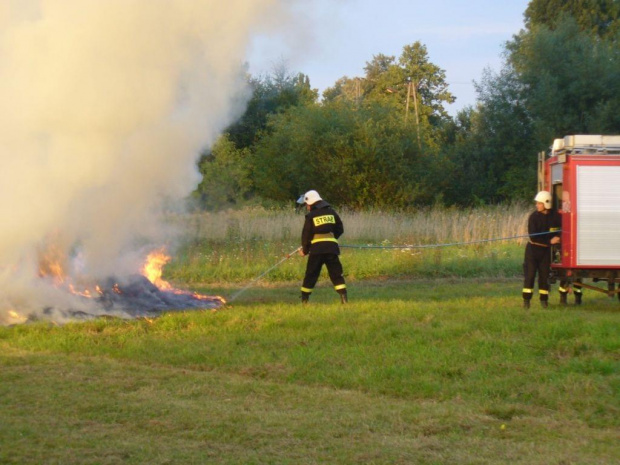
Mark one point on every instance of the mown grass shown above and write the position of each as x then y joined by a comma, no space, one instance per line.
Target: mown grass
412,371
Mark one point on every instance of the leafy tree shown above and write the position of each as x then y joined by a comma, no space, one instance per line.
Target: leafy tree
270,94
594,17
381,80
225,175
429,79
345,89
378,66
570,80
397,82
558,79
355,156
493,154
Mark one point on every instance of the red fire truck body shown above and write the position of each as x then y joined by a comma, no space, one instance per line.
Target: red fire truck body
582,172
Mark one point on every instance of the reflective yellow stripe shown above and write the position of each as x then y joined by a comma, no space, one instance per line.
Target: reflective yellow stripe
305,289
561,289
340,286
323,239
527,291
323,235
553,229
577,291
542,291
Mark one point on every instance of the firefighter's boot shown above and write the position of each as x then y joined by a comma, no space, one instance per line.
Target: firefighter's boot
544,303
577,298
305,297
563,301
526,303
343,297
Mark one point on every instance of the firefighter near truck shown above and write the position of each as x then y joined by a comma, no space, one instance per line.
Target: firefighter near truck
582,173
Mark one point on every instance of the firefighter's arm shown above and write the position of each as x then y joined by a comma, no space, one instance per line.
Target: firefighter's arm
306,237
338,227
531,227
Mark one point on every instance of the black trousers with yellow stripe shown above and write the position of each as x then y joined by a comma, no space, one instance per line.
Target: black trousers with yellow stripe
313,271
564,288
537,261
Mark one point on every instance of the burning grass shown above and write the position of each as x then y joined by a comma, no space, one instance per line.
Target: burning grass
140,295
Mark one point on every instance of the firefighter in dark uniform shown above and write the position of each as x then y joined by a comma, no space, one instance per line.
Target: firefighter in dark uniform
319,240
538,252
565,286
564,289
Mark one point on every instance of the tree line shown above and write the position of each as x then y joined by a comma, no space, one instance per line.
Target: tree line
385,140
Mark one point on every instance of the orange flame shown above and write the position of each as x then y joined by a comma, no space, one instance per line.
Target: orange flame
153,269
52,263
154,266
14,317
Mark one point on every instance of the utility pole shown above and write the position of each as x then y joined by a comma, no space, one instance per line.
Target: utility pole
407,101
411,90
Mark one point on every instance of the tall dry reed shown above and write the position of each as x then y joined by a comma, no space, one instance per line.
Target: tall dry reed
426,226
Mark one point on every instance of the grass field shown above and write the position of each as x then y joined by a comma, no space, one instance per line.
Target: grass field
433,362
412,371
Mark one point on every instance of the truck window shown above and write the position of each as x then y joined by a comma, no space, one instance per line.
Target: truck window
557,197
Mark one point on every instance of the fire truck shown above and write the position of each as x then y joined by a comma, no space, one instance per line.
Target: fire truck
582,172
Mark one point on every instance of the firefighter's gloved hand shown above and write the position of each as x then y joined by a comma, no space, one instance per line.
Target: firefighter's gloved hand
555,240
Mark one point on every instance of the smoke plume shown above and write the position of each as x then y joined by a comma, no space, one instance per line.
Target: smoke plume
105,108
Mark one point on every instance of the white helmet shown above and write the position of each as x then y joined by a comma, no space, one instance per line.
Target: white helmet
309,198
545,198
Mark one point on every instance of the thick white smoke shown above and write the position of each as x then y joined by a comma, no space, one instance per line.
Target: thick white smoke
105,106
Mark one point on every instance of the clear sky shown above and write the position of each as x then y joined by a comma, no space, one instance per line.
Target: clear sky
338,37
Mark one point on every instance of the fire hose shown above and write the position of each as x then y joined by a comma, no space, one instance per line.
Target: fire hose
427,246
251,283
448,244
